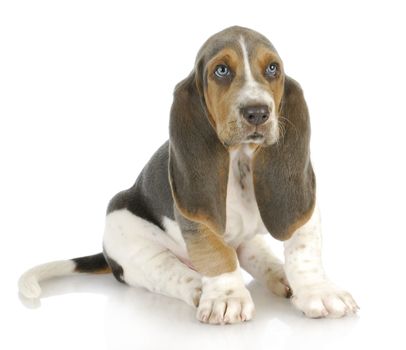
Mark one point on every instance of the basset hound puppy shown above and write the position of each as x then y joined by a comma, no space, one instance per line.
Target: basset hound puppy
236,167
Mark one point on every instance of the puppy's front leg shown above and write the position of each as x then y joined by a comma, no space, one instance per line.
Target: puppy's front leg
313,293
257,259
224,299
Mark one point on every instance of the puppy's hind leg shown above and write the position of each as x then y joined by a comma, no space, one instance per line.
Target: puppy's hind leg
134,249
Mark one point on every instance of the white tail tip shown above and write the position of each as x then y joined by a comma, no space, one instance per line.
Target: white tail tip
29,287
28,284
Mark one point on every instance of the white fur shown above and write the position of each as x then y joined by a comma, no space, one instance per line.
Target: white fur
243,220
225,299
28,284
313,293
146,255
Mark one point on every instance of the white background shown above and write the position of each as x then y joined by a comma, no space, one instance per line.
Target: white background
85,92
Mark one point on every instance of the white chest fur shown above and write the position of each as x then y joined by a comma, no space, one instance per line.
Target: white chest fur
243,217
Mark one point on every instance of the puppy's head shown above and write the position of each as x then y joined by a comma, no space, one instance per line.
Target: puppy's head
233,96
240,78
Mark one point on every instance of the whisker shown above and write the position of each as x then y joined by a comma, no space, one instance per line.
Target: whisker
282,132
282,118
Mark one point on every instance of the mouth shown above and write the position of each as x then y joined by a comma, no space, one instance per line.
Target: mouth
255,137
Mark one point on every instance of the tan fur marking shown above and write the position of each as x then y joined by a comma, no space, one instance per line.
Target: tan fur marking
196,217
103,271
209,254
220,95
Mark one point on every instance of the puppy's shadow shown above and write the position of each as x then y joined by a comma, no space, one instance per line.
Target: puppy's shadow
128,307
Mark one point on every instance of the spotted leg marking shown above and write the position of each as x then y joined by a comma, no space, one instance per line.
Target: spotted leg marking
313,292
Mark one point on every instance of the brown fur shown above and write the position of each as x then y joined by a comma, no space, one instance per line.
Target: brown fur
219,94
208,252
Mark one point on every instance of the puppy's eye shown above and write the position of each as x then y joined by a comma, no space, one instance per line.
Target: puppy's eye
271,70
222,71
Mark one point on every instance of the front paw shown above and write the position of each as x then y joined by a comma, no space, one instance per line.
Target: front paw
324,300
225,307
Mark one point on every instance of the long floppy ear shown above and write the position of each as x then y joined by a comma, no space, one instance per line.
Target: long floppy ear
284,181
198,162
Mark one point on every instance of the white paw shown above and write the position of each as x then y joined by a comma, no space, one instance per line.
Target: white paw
277,282
226,309
324,300
224,300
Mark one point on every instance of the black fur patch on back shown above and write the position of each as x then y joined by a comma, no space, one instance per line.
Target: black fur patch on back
150,197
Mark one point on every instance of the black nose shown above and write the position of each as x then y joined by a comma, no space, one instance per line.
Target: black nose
255,115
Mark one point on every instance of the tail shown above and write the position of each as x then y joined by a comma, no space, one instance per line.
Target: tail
28,284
